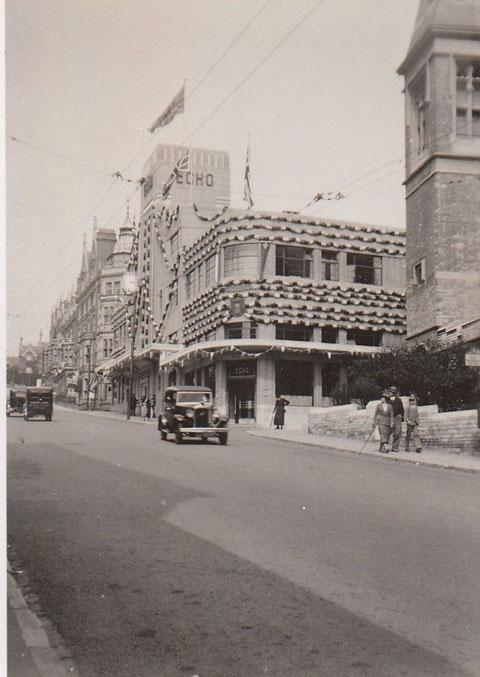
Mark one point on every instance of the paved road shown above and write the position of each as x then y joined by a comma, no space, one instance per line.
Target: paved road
257,558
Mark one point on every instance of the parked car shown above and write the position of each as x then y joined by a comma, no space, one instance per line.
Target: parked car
38,402
16,401
188,412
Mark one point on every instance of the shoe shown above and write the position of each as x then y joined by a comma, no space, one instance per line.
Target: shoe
418,451
395,451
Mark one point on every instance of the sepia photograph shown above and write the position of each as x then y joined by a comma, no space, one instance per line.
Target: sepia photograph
241,338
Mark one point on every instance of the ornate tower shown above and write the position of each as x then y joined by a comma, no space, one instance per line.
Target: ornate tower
442,127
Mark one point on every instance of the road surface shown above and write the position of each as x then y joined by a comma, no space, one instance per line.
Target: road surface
258,558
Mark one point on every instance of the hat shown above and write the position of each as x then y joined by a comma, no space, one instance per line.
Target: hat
386,393
411,398
393,390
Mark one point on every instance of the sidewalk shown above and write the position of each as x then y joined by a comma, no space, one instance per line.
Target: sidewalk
29,652
431,457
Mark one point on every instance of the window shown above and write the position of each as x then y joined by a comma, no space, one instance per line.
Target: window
419,102
116,287
253,330
175,293
233,331
110,346
105,348
359,337
468,98
419,272
106,316
364,269
190,284
200,277
108,288
210,271
291,332
329,265
174,245
329,335
293,261
241,259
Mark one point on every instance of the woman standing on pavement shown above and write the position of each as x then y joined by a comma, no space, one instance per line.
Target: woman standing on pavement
279,412
383,418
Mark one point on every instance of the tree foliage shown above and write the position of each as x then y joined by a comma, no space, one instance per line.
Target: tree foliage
435,376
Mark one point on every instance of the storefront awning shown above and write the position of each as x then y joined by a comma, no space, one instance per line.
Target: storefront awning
149,352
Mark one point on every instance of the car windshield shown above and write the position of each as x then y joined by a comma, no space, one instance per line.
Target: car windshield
193,397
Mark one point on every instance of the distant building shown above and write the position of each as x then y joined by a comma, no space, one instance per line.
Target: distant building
442,114
29,366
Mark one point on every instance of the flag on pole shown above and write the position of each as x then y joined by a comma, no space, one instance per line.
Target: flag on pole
180,167
247,190
176,106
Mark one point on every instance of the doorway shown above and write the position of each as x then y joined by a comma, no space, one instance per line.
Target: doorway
241,391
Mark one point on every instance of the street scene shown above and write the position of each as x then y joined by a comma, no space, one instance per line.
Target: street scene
242,338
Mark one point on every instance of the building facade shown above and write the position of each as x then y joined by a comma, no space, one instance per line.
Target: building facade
442,117
255,304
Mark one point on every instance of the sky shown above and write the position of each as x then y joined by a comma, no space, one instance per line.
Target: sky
311,83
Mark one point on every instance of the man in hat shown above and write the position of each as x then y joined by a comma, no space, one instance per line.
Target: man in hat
398,414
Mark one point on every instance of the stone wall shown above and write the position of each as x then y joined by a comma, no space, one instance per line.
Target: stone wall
454,431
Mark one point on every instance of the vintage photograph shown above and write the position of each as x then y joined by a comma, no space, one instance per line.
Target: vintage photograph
242,338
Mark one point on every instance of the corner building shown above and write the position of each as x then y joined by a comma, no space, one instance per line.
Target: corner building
442,126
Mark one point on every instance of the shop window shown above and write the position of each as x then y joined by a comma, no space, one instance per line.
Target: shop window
364,269
209,377
190,378
210,271
241,259
293,261
330,265
233,331
292,332
360,337
468,98
294,378
329,335
172,378
419,272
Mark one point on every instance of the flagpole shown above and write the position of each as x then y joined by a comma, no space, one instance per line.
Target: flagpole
189,148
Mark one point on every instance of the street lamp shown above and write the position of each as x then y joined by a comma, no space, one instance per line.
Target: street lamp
130,289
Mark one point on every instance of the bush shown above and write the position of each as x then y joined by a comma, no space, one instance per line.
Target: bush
435,376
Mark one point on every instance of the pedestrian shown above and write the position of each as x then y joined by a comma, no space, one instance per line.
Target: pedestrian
279,412
133,404
148,404
411,419
153,402
398,414
383,418
143,407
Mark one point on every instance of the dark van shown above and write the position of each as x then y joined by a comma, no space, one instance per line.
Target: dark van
38,402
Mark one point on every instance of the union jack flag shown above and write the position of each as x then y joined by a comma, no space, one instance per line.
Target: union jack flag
176,106
247,190
181,166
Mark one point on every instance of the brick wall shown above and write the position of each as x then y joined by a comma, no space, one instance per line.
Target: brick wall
455,431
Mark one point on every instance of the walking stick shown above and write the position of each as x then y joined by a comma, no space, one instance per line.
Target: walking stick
371,433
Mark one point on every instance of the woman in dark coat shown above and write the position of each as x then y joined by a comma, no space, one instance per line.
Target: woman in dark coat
279,411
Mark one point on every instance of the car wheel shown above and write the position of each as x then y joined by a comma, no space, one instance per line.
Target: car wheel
223,437
178,437
163,434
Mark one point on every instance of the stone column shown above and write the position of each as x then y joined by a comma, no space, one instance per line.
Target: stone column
317,384
221,387
265,390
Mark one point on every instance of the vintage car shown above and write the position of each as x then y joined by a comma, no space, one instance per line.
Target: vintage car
189,412
16,401
38,402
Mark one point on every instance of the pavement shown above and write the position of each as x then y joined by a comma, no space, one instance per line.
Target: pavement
30,653
442,458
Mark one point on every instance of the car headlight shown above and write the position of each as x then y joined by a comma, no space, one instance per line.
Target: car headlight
179,417
189,413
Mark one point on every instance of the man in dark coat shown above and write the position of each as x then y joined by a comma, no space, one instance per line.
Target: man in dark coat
133,404
398,414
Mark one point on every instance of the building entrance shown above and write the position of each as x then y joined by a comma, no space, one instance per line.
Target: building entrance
241,390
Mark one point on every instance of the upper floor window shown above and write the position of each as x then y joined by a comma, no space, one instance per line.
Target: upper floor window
293,261
190,284
233,331
419,99
241,259
329,335
108,288
116,287
210,271
329,265
361,337
468,98
419,272
364,269
292,332
175,293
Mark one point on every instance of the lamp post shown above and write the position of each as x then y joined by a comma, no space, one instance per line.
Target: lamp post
89,358
130,289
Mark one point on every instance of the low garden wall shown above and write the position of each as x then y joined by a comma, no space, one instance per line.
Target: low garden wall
454,431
